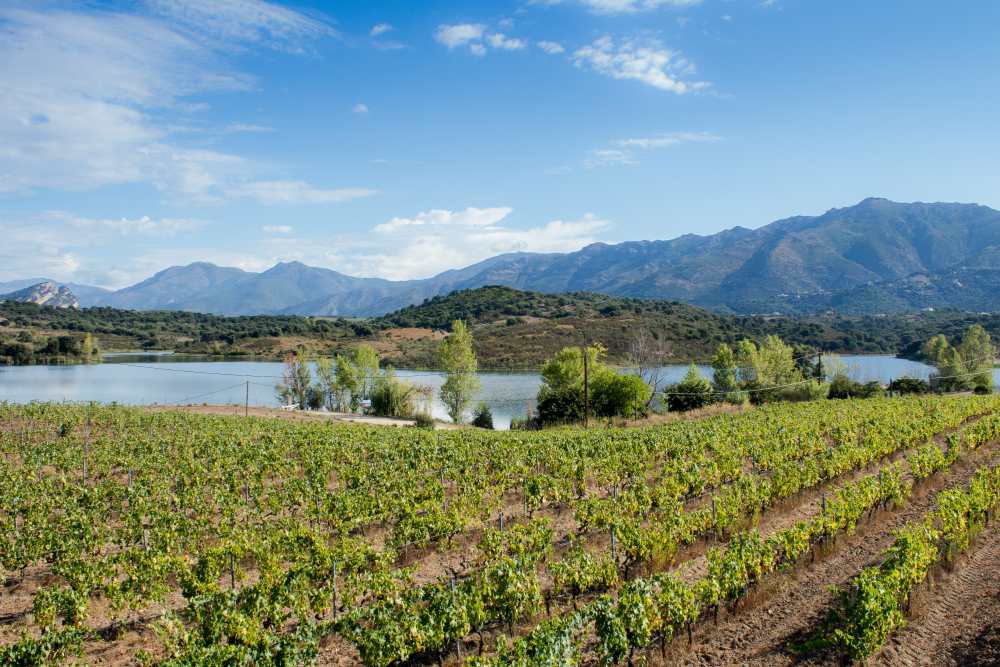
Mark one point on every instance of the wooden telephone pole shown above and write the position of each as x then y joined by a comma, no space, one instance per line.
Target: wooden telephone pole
586,393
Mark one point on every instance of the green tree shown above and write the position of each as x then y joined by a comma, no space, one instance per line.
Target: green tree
295,380
978,354
456,358
723,370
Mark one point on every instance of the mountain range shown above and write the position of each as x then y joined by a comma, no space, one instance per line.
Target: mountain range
44,294
833,260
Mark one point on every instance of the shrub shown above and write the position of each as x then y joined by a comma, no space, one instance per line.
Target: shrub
423,420
482,417
691,393
619,395
559,406
908,385
983,390
392,399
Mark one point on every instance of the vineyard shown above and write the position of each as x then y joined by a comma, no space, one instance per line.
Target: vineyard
787,533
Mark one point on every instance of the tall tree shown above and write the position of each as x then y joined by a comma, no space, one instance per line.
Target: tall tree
295,379
456,358
648,353
723,370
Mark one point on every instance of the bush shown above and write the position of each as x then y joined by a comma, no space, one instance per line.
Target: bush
982,390
392,399
908,385
842,387
482,417
812,390
691,393
423,420
619,395
559,406
514,321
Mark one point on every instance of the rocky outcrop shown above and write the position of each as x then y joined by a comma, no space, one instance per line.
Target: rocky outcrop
44,294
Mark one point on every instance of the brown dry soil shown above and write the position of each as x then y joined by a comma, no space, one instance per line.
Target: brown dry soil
952,620
951,615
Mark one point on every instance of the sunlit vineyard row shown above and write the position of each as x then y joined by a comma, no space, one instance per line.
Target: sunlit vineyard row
248,541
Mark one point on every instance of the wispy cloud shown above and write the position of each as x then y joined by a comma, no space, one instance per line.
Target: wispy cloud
380,28
604,157
243,127
294,192
276,229
360,108
671,139
627,6
92,98
641,60
550,47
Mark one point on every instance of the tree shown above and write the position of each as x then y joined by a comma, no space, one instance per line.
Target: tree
456,358
723,370
619,395
647,355
977,354
295,380
326,374
483,416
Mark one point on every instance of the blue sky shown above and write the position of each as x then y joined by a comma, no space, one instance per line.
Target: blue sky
403,139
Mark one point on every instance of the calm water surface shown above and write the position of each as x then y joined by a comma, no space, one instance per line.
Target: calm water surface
163,378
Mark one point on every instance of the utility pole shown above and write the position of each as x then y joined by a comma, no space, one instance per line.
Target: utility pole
247,412
586,393
819,365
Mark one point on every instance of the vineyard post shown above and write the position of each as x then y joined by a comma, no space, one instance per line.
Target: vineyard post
232,571
636,416
458,640
586,393
333,585
880,491
715,523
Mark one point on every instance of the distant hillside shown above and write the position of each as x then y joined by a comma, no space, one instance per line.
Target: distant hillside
827,261
44,294
968,289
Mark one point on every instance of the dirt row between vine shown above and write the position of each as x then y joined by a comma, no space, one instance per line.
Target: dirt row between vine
789,606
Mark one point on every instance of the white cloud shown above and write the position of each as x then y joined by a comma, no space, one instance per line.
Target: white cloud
242,127
557,170
380,28
467,219
436,241
644,61
294,192
506,23
62,246
477,49
90,98
500,41
605,157
276,229
459,35
389,46
672,139
360,108
550,47
727,17
619,6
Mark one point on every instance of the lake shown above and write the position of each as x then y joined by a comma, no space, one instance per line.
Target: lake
141,379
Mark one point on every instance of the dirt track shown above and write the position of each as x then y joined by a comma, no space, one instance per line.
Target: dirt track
945,624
